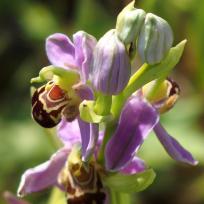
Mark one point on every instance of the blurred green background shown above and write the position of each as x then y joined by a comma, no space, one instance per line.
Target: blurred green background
24,25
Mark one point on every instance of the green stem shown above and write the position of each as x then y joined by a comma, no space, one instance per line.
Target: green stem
110,127
103,104
120,198
136,81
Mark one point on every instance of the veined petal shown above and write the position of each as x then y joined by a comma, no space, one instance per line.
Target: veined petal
84,46
85,134
136,165
89,138
12,199
69,132
92,143
60,51
43,175
173,148
82,132
137,120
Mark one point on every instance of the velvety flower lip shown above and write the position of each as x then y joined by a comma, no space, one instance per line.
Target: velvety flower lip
43,175
173,148
12,199
78,55
137,120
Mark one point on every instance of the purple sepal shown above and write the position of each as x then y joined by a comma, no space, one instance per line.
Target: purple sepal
43,175
84,46
60,51
137,120
173,148
89,137
12,199
69,132
136,165
92,142
82,132
111,65
83,91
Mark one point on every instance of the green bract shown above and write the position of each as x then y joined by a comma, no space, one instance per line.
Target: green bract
129,183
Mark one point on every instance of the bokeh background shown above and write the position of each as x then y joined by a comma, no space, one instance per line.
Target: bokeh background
24,25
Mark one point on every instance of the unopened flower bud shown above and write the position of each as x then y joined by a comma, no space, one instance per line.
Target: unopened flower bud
111,65
155,39
129,23
164,97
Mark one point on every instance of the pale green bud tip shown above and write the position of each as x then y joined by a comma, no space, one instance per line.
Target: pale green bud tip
129,23
155,39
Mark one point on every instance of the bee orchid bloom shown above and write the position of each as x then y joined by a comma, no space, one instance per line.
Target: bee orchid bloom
52,103
46,174
138,118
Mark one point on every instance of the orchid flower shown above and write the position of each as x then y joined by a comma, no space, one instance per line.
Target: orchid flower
138,118
59,101
47,174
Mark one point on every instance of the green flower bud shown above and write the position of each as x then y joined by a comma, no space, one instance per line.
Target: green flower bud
155,39
129,23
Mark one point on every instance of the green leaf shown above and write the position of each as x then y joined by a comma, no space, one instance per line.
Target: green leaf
88,114
57,197
129,183
146,74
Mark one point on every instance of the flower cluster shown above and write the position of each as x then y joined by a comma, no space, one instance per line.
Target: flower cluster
102,113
